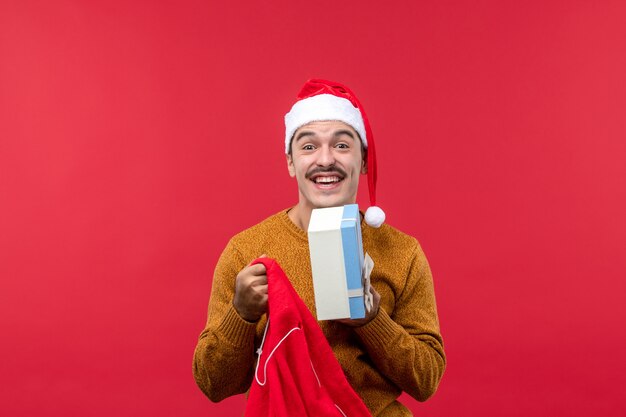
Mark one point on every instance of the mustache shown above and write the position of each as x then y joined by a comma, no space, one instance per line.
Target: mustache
325,170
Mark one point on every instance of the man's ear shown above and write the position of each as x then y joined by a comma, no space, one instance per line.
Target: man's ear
364,166
290,167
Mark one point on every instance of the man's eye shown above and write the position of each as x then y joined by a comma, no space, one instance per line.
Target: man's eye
342,146
308,148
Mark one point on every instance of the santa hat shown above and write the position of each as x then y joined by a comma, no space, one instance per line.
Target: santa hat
321,100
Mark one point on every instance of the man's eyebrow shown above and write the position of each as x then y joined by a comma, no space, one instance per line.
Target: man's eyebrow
303,134
344,132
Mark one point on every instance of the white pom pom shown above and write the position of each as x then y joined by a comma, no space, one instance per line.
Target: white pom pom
374,216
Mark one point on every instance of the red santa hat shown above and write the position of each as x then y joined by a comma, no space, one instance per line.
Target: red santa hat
321,100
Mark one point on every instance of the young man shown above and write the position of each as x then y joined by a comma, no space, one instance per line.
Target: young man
397,347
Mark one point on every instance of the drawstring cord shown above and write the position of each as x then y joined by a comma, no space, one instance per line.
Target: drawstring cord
259,351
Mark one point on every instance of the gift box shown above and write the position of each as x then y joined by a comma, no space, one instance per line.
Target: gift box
336,251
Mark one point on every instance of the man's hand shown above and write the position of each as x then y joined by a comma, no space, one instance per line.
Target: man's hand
250,299
369,316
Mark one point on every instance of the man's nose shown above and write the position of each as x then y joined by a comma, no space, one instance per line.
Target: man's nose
326,156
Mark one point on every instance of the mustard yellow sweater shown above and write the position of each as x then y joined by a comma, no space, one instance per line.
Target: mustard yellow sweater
399,350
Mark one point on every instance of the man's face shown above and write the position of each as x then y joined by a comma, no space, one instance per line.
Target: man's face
326,159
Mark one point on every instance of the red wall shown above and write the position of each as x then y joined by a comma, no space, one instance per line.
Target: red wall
137,137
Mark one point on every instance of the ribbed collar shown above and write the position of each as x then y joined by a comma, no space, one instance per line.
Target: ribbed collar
291,226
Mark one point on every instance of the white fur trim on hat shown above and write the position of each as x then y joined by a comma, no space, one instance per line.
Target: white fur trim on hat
319,108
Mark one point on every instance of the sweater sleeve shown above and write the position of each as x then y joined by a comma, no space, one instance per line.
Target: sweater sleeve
406,346
224,356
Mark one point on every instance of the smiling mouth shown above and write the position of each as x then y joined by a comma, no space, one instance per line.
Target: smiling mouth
326,178
323,180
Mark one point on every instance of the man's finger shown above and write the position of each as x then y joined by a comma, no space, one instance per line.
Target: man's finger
259,280
258,269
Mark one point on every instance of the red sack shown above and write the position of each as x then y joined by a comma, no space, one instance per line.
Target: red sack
297,373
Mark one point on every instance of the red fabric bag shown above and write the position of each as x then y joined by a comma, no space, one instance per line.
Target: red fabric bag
297,373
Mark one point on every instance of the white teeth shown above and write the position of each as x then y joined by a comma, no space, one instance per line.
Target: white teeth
326,180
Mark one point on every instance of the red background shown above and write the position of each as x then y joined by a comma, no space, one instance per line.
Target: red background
137,137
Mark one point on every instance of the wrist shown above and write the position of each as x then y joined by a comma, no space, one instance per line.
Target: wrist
245,315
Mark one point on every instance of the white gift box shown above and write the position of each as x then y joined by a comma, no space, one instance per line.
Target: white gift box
336,251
